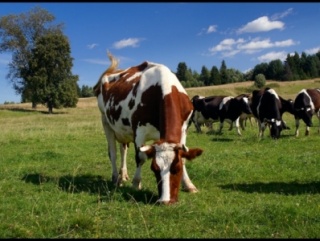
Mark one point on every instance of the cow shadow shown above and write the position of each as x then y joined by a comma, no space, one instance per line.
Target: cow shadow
94,185
291,188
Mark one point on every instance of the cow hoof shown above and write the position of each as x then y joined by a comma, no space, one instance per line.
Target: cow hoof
115,179
190,189
136,184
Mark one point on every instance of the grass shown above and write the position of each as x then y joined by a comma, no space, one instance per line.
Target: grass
56,181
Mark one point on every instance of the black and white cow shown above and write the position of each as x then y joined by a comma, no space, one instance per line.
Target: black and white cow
306,104
219,108
268,107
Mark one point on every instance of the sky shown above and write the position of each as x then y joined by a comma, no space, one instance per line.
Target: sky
199,34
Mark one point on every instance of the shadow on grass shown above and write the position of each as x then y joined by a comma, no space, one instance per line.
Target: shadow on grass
94,185
17,109
291,188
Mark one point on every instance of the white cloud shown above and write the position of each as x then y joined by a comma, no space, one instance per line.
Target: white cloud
312,51
212,28
273,56
92,46
129,42
281,15
262,24
256,44
230,47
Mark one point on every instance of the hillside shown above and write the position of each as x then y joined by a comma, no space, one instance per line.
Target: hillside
285,89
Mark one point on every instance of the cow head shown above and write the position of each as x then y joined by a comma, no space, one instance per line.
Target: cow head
276,127
167,165
244,103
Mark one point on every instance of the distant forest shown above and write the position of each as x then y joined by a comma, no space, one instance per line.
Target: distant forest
295,67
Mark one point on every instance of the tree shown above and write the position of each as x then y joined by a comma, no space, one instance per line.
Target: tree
205,76
182,71
18,35
259,80
49,74
223,73
260,69
86,91
215,76
275,70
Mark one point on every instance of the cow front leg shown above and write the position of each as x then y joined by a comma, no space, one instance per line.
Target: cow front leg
307,130
297,128
187,185
123,173
238,126
220,127
140,159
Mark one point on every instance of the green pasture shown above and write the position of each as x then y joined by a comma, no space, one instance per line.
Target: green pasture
55,182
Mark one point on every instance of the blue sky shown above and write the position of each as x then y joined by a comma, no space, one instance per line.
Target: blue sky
199,34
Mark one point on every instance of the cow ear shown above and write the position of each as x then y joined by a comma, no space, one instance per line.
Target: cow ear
148,150
191,153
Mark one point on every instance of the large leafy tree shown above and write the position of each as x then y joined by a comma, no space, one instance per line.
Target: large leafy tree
49,74
18,35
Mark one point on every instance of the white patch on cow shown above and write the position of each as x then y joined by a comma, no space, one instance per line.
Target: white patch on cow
145,133
224,101
272,91
133,76
164,159
278,123
246,99
157,72
310,100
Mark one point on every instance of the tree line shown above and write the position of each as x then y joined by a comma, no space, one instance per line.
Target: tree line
40,69
295,67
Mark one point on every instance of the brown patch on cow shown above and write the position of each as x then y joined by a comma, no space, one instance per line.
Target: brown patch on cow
148,111
175,176
175,110
315,97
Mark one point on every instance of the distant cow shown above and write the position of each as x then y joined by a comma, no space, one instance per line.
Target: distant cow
220,108
268,107
142,103
306,104
197,118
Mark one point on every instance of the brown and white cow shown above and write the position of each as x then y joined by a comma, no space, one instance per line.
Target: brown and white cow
142,103
307,104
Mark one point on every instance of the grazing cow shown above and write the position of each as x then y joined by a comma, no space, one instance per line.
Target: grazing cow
244,117
306,104
142,103
268,107
197,118
220,108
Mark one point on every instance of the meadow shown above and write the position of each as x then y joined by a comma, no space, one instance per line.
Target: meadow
55,179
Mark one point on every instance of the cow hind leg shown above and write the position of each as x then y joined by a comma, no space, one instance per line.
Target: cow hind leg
123,173
112,150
